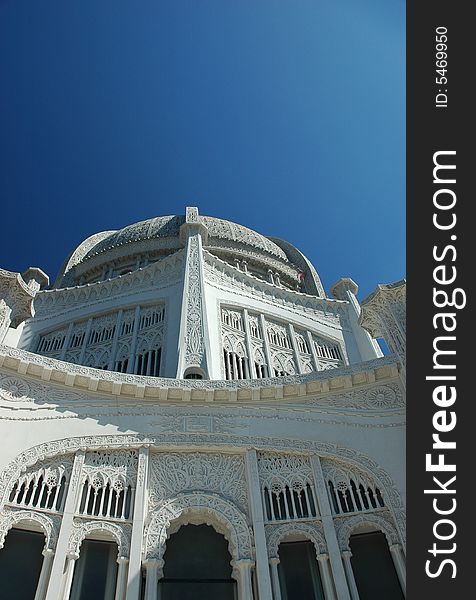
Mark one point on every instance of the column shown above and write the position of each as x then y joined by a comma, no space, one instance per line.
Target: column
121,582
349,573
254,494
323,560
312,349
273,565
267,350
194,337
249,345
135,552
152,567
399,562
297,355
112,358
245,591
67,341
85,341
59,570
346,289
71,559
48,555
337,569
135,331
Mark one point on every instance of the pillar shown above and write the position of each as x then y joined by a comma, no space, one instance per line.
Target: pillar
296,353
135,333
48,555
267,349
121,581
336,566
194,339
71,559
326,577
152,568
135,553
59,570
273,565
245,591
254,494
399,562
349,573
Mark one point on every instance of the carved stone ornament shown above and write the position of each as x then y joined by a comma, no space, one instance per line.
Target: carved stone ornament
49,524
120,533
197,507
17,295
194,441
382,521
275,534
194,347
170,474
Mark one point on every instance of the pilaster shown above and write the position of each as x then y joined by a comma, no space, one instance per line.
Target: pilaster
63,563
254,494
194,347
329,531
135,553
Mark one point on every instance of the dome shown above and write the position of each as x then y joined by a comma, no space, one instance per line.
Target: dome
111,253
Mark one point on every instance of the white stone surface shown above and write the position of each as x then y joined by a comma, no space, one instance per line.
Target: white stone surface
215,450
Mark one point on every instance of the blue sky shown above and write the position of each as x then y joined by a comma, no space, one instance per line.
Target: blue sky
285,116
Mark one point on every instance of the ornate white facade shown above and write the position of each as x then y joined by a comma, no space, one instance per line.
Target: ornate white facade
189,371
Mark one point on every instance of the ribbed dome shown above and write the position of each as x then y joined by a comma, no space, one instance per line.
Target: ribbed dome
111,253
169,226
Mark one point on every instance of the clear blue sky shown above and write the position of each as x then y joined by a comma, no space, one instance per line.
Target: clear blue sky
285,116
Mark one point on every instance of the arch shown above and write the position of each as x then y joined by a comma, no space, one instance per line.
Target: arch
308,531
375,521
49,525
185,440
197,508
118,533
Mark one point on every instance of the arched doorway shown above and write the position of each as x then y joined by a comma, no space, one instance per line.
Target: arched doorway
21,548
373,567
299,572
197,564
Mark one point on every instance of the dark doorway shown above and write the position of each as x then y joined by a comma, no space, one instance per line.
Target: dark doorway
21,548
197,565
299,572
373,567
95,572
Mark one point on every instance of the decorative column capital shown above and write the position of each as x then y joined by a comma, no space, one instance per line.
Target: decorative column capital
243,564
274,560
122,560
48,552
193,225
150,563
395,548
345,284
72,555
323,557
346,554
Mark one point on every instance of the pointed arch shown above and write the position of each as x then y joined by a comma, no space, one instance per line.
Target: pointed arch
197,508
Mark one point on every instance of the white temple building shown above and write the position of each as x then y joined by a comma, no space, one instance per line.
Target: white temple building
186,414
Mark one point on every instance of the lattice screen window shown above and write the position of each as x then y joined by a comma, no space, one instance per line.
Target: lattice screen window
128,341
287,488
108,484
42,485
256,346
351,490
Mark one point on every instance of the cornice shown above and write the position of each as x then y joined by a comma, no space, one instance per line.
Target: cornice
157,389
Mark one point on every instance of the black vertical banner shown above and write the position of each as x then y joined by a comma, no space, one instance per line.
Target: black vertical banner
441,246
